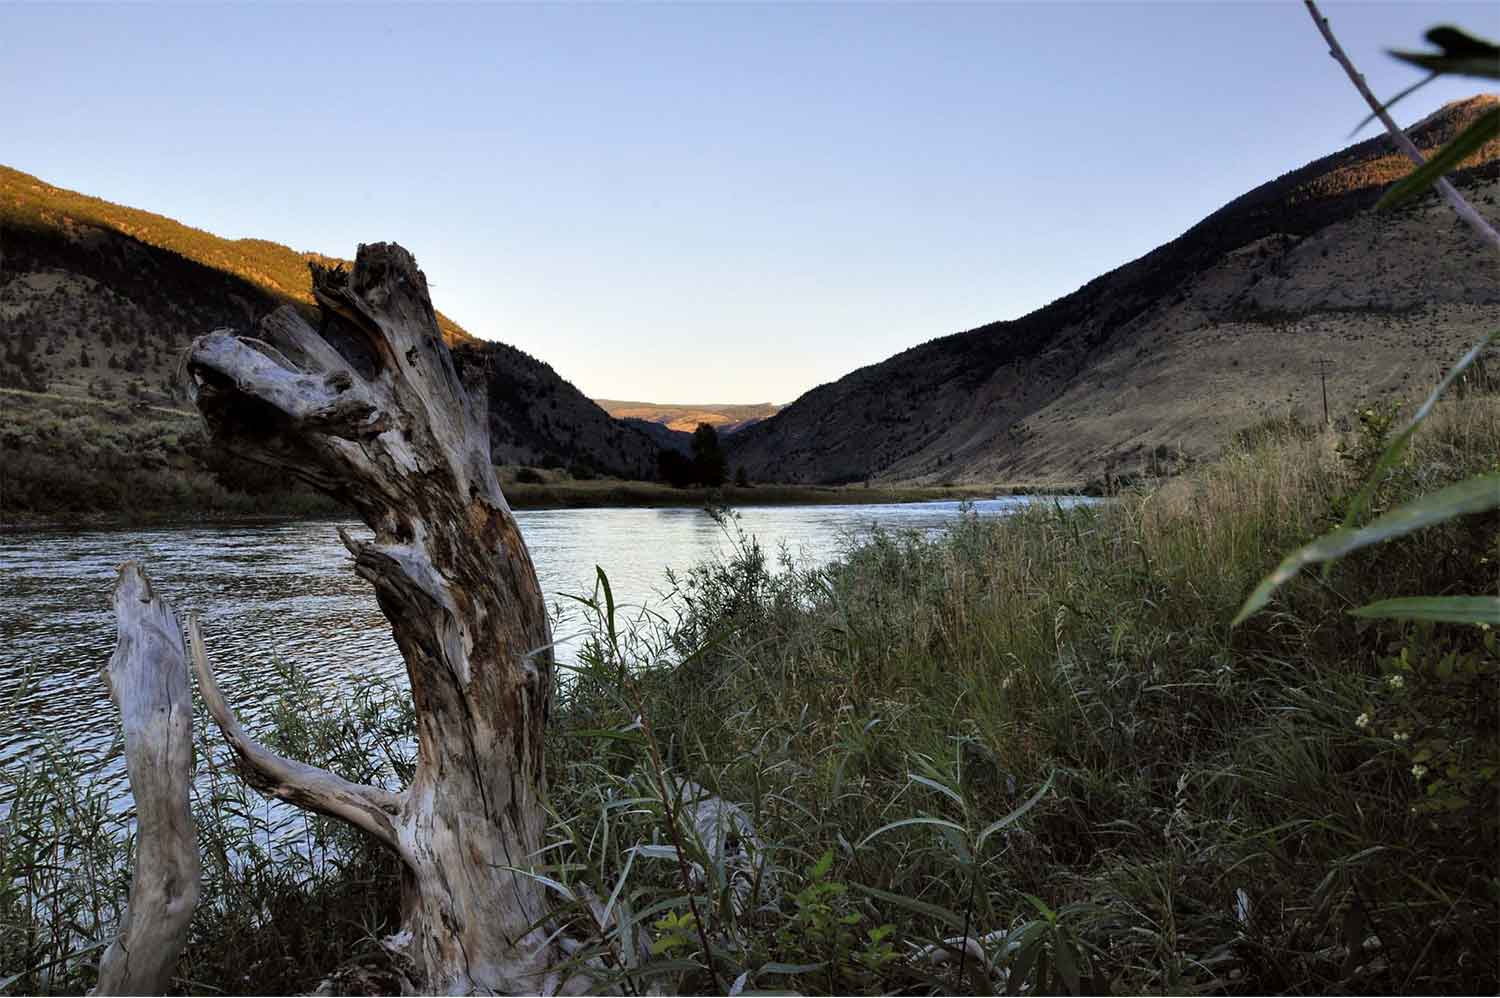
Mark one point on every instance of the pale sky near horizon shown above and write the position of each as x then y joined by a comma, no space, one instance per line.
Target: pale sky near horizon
703,202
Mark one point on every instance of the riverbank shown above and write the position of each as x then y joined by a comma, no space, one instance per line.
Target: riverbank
226,507
1043,726
83,463
574,494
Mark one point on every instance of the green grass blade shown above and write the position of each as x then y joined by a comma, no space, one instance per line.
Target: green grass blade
790,968
1473,495
941,914
939,787
1397,446
557,886
635,737
1445,609
1481,130
939,822
619,885
609,618
1016,814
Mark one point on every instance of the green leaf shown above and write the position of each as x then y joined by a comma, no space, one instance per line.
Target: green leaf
1016,814
560,888
609,619
1041,906
1473,495
1397,446
790,968
619,885
1456,42
1481,130
1462,54
939,787
1067,963
938,822
933,911
1024,959
634,736
1447,609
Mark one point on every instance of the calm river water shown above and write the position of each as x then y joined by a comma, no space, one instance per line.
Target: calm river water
285,591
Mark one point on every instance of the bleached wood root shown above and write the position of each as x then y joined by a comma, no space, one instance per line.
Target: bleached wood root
973,953
147,678
728,839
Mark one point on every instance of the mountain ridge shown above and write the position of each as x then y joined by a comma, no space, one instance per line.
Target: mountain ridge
956,407
98,300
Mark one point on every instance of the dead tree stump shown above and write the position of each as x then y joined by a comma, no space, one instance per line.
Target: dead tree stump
370,409
148,681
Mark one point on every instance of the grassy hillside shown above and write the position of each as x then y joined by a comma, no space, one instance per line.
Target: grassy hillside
1304,805
98,301
1164,358
31,209
70,459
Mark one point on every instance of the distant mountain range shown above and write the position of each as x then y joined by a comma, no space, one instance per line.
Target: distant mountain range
98,300
1145,369
672,426
685,418
1159,362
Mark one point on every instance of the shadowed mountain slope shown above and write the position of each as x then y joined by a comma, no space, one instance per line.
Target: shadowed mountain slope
98,300
1164,358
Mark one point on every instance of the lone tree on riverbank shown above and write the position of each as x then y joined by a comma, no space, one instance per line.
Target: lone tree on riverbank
710,466
371,411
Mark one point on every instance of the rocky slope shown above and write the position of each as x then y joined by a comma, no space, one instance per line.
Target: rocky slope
1161,360
97,301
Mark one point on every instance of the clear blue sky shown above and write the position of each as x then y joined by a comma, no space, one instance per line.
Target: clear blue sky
713,203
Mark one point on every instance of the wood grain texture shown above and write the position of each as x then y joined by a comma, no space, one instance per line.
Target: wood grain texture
147,677
369,408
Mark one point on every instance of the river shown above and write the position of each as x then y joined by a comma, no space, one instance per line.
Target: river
284,592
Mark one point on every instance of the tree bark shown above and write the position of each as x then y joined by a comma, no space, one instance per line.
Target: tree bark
371,410
148,680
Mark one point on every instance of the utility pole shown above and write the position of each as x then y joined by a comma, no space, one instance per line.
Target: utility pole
1323,363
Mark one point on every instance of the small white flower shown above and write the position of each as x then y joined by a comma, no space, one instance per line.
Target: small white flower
1395,682
1362,721
1402,736
1419,771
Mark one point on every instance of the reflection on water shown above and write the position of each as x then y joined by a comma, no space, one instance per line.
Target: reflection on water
286,592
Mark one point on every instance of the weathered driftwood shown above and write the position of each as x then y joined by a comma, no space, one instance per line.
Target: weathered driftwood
148,680
727,836
371,410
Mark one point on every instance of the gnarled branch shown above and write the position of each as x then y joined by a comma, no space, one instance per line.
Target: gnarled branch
363,806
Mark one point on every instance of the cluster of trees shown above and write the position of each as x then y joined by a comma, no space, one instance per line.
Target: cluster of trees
706,465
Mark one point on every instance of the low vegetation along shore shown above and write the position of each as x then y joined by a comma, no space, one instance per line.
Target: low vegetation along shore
1041,732
530,488
71,460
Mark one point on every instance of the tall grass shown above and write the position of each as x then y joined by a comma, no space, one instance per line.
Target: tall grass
284,891
1306,803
